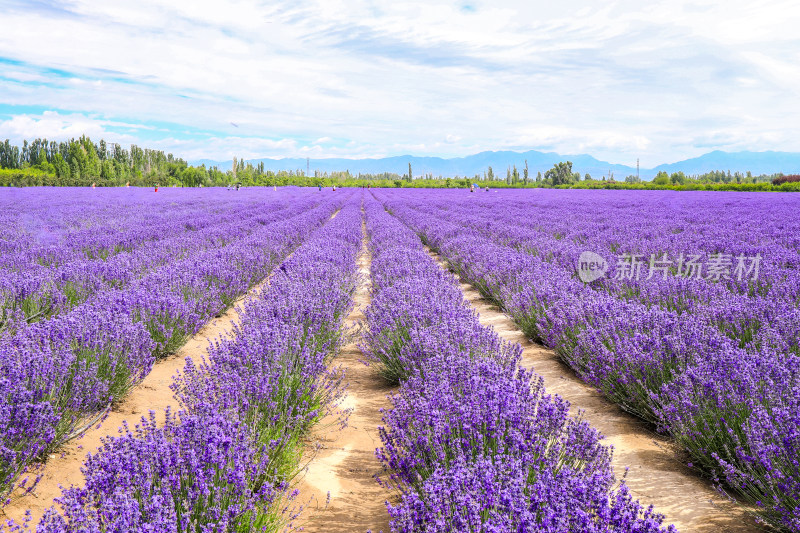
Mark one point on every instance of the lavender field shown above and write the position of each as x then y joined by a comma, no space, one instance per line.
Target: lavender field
694,327
682,309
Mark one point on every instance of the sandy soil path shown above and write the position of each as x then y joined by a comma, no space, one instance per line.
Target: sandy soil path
656,473
152,394
344,463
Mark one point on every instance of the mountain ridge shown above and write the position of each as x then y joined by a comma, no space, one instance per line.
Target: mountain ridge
767,162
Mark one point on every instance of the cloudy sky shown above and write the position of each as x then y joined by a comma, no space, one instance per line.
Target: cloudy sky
662,81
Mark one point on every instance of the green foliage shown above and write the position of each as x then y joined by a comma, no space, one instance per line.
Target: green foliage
81,163
677,178
560,174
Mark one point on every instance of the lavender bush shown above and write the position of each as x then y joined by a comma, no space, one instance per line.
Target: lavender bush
195,473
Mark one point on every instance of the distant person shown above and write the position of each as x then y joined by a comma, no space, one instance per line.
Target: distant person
156,188
320,188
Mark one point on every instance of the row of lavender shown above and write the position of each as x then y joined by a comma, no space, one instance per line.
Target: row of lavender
57,373
55,259
473,442
714,364
731,260
225,462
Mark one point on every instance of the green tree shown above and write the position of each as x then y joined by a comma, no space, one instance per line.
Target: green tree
560,174
43,164
662,178
678,178
61,167
74,169
91,167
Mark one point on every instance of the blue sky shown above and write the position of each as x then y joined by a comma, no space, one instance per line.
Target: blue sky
661,81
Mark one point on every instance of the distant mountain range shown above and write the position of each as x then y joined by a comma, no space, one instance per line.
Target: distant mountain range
755,162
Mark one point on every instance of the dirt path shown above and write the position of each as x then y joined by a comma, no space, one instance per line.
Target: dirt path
153,393
63,468
656,475
345,463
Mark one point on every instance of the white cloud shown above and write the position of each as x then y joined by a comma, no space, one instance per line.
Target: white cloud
661,80
52,126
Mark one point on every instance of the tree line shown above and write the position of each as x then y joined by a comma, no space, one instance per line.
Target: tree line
81,162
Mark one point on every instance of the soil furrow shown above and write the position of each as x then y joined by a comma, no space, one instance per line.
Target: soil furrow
343,462
152,394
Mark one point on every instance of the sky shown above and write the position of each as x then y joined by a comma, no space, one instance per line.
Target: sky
659,81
